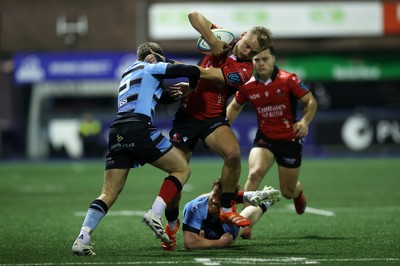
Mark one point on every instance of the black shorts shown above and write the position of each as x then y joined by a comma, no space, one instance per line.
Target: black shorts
186,130
135,143
287,153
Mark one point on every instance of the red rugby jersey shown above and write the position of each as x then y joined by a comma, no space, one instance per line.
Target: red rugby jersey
275,102
209,99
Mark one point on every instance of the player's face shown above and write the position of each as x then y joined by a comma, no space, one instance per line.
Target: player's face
214,204
247,47
264,64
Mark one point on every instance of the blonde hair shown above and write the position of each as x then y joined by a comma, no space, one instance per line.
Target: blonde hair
264,36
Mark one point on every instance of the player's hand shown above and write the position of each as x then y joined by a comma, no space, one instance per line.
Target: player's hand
300,129
218,47
226,239
202,234
154,58
179,90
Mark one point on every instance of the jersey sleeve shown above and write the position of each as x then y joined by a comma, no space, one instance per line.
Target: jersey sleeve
192,217
240,96
236,74
297,87
156,69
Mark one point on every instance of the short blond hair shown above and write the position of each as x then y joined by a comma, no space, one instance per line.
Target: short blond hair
264,36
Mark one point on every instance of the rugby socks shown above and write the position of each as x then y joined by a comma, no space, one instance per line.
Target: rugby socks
246,196
159,206
242,197
264,206
97,210
170,188
172,217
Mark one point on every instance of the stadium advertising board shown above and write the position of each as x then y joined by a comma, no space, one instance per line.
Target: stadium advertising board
342,67
307,18
73,66
40,67
358,132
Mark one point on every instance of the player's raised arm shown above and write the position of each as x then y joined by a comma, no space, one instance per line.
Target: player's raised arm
204,26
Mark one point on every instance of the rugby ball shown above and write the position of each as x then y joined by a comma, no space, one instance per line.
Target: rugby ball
222,34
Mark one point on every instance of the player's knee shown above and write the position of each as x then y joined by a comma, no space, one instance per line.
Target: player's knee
233,156
288,193
187,171
255,176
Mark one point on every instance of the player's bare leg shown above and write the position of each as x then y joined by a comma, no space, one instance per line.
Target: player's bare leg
224,143
114,182
260,161
291,187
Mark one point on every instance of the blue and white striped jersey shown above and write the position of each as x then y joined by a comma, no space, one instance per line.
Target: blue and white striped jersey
140,88
196,218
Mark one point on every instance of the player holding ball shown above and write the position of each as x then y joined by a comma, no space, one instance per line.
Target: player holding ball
202,113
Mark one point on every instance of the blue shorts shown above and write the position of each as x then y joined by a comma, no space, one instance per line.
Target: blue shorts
135,143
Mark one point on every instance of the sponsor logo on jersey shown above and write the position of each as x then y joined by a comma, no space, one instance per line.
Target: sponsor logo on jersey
254,96
271,110
122,102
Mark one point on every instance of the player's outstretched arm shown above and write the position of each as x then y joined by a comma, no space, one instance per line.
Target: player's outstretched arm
198,241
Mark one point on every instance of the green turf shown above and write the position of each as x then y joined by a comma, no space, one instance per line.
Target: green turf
40,203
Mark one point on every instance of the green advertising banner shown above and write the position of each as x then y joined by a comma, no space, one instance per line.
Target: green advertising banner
338,67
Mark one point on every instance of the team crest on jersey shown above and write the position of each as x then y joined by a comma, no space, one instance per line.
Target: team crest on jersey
234,78
266,94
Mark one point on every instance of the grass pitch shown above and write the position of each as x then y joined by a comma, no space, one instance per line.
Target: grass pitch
353,216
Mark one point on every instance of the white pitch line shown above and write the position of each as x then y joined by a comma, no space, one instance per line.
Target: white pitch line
116,213
314,211
206,261
215,261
